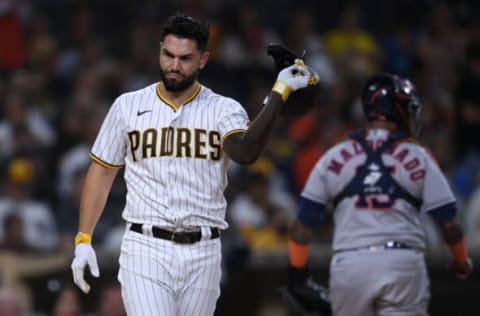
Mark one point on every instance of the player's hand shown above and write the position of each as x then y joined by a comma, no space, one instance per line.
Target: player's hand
292,78
313,78
295,76
84,255
463,269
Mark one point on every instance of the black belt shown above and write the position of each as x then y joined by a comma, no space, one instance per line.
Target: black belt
178,237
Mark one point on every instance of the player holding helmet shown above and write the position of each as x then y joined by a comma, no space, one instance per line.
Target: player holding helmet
378,181
175,139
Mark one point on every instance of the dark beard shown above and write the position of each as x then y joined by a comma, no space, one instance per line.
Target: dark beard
180,85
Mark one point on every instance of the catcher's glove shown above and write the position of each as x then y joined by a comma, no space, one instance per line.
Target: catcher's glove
310,299
300,101
303,296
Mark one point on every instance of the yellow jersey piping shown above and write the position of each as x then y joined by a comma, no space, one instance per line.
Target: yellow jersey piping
235,131
103,163
173,106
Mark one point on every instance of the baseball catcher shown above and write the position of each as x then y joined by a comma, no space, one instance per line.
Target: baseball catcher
379,181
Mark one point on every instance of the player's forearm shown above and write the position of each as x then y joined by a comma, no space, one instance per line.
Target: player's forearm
260,129
300,233
454,237
452,232
98,183
298,249
247,148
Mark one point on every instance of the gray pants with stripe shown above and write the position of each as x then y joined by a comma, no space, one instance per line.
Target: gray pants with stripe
382,282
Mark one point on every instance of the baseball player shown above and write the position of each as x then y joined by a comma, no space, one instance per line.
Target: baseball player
378,182
174,138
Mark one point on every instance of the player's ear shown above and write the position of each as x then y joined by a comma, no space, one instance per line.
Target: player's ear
203,59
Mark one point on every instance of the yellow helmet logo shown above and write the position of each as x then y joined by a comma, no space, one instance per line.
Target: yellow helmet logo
312,80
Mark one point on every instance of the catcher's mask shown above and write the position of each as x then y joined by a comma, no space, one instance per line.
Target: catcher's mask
389,97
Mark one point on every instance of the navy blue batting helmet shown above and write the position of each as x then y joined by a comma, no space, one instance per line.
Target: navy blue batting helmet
389,97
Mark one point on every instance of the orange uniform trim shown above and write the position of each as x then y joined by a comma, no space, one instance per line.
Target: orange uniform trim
298,254
459,251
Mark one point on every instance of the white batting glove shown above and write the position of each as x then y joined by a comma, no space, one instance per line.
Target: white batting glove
314,78
291,79
84,255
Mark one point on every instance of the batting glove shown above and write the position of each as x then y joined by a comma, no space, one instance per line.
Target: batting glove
292,78
313,78
84,255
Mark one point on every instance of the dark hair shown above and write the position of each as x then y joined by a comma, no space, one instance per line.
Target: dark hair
184,26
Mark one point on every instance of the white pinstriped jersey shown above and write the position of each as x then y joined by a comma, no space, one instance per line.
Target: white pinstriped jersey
413,169
175,168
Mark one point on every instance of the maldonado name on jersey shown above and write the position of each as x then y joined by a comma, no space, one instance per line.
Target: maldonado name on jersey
178,142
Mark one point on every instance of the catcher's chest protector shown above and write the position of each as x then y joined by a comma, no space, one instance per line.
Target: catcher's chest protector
374,178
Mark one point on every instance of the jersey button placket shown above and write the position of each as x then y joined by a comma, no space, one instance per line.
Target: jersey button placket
170,163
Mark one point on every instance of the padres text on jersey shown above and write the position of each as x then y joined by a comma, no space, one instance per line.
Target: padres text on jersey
173,158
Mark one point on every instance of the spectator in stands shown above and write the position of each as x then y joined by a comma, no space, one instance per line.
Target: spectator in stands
13,55
67,303
10,303
355,52
302,37
467,123
110,302
23,130
40,230
13,239
260,214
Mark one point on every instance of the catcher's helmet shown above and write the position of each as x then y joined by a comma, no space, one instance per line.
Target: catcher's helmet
389,97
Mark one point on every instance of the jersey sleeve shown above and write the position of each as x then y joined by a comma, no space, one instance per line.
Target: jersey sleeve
311,213
233,119
315,188
436,189
109,147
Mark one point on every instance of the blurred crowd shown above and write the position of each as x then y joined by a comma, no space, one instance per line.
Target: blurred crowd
62,63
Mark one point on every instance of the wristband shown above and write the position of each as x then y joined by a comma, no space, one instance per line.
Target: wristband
282,89
298,254
459,251
83,238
